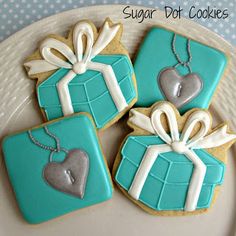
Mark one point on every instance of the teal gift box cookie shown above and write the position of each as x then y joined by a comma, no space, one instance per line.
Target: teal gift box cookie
175,68
89,71
169,176
172,164
57,168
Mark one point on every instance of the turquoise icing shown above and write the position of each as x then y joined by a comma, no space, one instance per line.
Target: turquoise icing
25,162
155,54
167,183
88,91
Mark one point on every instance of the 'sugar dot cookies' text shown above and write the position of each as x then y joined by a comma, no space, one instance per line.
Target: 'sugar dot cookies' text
138,14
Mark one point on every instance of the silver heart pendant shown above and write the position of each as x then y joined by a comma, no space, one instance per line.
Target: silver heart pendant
178,89
69,176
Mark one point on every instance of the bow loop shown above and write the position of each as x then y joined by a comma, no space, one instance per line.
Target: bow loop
51,43
167,110
201,117
80,30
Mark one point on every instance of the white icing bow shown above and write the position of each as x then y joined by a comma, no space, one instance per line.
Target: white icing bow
79,62
181,144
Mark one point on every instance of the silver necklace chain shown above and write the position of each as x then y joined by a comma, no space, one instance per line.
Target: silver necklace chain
180,62
43,146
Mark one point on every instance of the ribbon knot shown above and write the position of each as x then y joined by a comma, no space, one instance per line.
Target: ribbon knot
181,144
79,68
179,147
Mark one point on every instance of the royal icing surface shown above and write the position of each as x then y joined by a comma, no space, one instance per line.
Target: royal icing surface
32,169
156,54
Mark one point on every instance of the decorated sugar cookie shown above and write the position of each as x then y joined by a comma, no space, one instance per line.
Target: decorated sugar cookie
56,168
172,164
89,71
178,69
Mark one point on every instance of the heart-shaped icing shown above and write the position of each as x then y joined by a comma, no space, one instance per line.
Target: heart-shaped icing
178,89
69,176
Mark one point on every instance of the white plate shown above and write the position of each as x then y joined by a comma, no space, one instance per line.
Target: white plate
19,110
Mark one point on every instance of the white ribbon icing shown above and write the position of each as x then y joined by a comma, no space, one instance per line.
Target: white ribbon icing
79,62
181,144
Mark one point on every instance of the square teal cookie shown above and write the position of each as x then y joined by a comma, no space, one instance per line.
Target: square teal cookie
156,54
57,169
